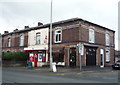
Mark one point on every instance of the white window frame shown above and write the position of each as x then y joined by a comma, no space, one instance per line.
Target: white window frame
9,42
107,37
107,55
22,40
59,35
91,35
38,37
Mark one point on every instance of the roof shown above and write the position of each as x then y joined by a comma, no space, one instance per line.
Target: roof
57,23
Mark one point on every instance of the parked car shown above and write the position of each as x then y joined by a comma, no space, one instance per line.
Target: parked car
116,65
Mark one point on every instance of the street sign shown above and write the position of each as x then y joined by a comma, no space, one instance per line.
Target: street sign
81,49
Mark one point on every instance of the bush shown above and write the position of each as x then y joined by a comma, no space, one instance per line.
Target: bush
15,56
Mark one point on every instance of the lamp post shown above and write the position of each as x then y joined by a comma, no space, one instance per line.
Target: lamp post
51,59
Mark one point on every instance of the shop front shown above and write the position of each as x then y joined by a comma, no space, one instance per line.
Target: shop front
38,57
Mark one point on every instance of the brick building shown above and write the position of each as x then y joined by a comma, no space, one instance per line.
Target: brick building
38,46
15,41
117,55
97,42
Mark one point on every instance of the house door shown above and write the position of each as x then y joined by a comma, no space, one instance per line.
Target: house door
101,57
90,56
72,57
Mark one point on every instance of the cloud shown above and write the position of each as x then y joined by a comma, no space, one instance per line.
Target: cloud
18,13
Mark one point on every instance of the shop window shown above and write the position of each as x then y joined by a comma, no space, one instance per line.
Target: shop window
91,36
37,38
22,40
107,55
9,42
58,57
58,35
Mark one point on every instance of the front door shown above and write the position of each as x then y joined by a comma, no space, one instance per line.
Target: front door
101,57
90,56
72,57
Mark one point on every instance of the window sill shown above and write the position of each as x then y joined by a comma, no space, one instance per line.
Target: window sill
107,61
91,42
57,42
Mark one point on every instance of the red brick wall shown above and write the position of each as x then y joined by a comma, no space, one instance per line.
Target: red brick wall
74,34
15,42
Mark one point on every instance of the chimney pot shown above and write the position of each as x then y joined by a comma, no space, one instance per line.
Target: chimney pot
6,32
39,23
15,30
26,27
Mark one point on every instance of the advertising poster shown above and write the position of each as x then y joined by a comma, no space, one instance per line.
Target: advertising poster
40,57
31,58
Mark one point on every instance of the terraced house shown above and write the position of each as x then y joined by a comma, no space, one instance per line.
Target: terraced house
15,41
38,46
97,43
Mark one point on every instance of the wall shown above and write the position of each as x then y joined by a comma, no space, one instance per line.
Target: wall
15,42
32,38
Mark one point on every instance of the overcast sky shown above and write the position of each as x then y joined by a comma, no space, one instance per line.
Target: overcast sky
17,14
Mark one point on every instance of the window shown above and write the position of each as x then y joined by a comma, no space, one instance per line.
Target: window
107,55
22,40
37,38
91,36
58,36
107,39
9,42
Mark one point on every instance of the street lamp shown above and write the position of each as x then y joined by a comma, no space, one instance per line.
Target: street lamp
51,59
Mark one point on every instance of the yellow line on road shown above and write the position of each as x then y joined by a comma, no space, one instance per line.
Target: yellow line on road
60,74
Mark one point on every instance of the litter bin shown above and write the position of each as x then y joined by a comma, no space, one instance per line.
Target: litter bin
29,64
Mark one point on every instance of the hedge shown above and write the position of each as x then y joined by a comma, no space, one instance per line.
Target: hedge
15,56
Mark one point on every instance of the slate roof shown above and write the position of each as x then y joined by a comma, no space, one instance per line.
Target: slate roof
56,23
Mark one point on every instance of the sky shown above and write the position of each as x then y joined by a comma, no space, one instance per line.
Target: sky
19,13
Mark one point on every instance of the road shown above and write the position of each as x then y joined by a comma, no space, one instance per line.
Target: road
11,75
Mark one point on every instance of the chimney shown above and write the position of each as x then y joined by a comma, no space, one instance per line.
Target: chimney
26,27
39,23
15,30
5,32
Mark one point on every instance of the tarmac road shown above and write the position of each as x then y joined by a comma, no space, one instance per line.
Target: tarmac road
23,75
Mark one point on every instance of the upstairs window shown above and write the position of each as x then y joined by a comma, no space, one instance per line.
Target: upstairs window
9,42
107,55
22,40
91,36
107,39
58,36
37,38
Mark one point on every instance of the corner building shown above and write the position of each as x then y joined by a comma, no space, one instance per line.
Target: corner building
97,43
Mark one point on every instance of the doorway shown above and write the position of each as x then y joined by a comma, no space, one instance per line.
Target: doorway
72,58
101,58
90,56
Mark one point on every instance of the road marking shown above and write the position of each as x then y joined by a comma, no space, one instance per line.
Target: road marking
60,74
